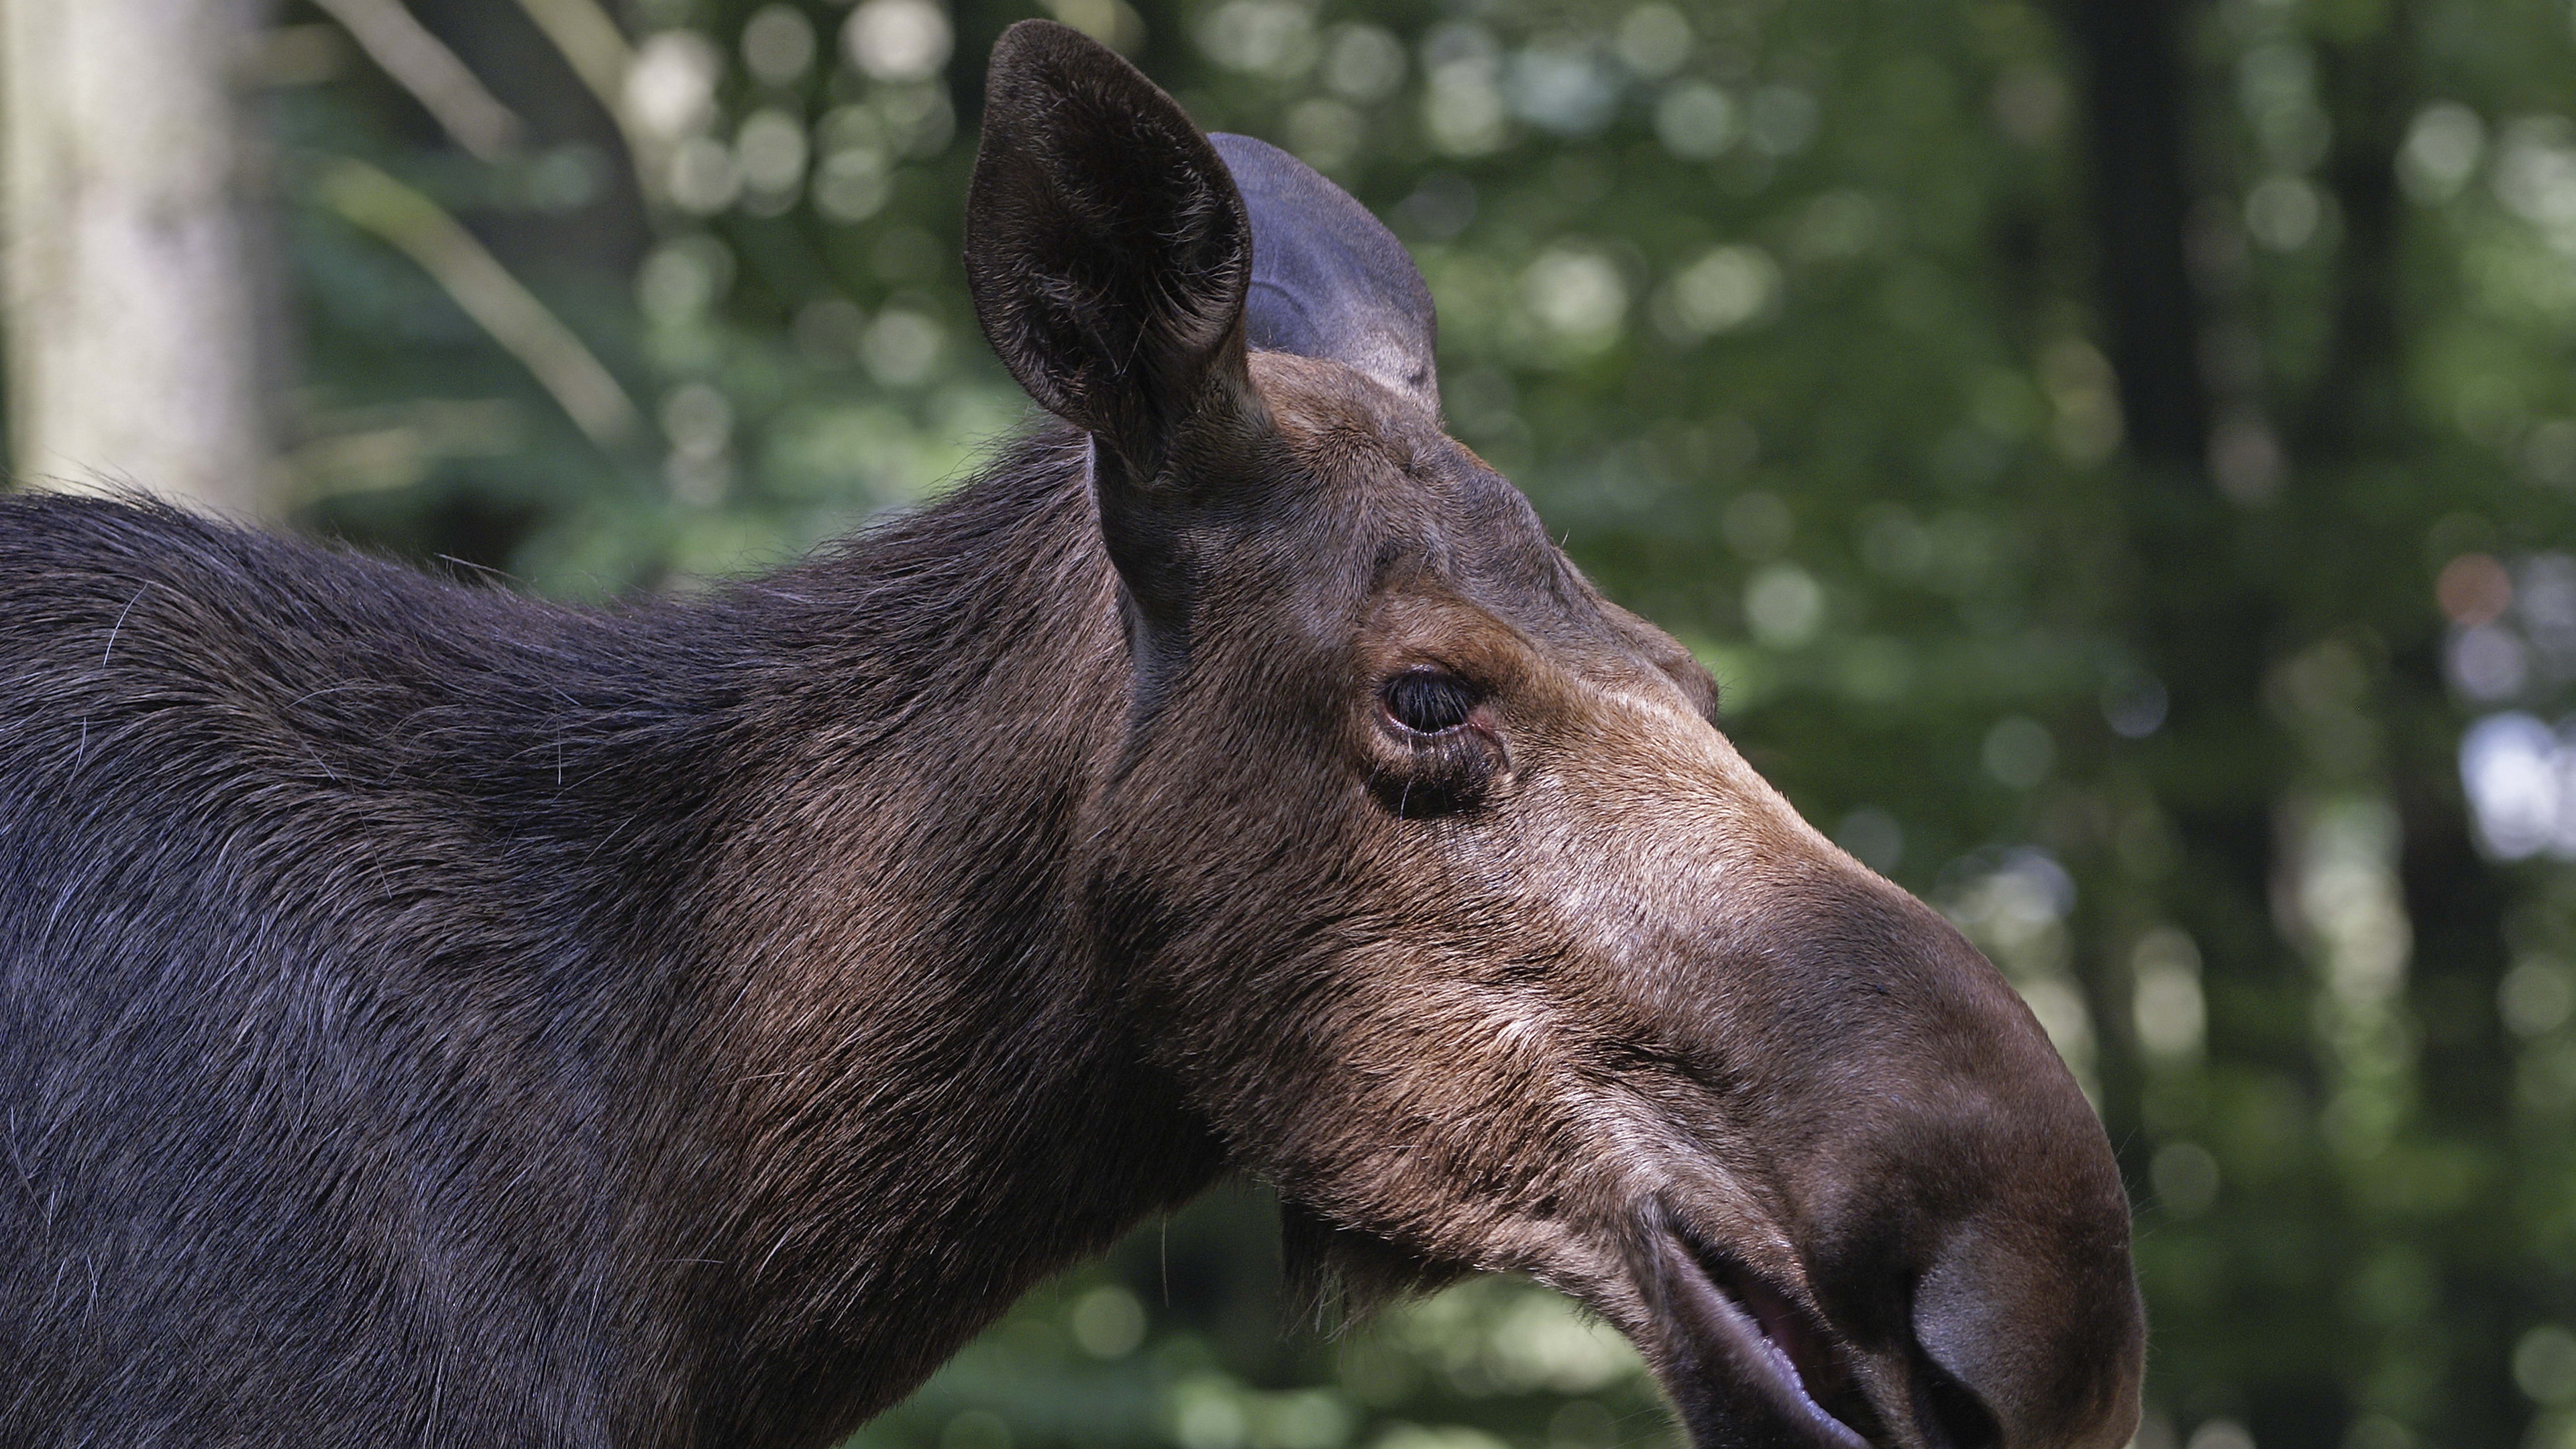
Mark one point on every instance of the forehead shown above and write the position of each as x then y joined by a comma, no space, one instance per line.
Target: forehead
1416,509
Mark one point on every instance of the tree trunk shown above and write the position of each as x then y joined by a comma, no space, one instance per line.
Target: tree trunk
136,295
2136,94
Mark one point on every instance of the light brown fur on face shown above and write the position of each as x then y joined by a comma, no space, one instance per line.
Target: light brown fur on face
1606,980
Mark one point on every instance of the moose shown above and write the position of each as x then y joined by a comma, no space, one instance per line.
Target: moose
431,1016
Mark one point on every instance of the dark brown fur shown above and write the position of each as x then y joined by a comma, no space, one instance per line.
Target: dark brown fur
429,1016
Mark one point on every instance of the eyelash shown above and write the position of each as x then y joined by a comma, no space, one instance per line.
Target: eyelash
1429,701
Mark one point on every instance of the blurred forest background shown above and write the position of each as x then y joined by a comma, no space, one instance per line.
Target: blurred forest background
2119,456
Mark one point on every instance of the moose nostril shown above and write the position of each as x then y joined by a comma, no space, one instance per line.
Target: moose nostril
1952,1417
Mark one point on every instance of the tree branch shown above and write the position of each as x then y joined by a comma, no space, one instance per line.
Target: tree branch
509,312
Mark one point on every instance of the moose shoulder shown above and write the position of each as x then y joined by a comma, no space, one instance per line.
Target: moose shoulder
429,1016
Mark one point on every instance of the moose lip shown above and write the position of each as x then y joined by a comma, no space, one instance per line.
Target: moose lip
1759,1332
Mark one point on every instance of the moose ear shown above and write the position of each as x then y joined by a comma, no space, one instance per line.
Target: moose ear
1106,247
1328,279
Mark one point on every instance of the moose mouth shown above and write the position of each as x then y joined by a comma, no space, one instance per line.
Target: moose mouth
1732,1336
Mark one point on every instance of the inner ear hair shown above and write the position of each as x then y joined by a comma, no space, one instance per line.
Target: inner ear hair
1107,249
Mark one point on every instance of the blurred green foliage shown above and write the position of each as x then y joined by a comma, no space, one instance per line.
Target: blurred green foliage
1799,320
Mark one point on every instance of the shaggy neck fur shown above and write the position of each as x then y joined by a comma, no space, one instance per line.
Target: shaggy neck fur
693,1003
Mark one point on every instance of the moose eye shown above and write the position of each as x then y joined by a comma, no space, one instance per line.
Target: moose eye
1429,701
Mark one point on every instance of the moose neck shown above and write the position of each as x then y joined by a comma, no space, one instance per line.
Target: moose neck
907,1092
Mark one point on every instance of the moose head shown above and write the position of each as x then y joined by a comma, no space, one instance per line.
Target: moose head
1434,884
